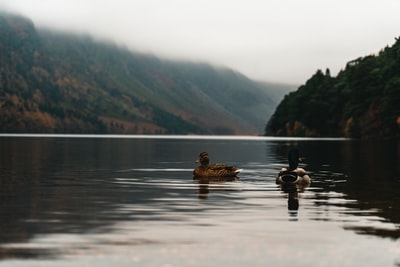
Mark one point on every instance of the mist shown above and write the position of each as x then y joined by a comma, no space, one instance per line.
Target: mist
276,41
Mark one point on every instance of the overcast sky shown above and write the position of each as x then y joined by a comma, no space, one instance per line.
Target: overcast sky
271,40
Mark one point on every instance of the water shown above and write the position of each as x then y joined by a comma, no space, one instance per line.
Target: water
132,201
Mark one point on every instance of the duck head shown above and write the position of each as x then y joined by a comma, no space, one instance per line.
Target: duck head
294,158
204,160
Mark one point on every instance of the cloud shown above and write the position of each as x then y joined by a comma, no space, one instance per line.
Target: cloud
276,40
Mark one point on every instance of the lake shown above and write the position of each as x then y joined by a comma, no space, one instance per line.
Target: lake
132,201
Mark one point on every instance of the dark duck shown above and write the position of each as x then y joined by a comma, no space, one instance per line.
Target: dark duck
293,174
205,169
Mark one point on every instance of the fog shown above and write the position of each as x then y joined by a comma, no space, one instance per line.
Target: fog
277,41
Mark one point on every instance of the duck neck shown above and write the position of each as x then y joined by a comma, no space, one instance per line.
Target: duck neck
205,163
293,166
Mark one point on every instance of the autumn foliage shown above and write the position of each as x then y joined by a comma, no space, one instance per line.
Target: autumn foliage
63,83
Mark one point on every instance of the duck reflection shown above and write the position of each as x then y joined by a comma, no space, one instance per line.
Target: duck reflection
292,191
207,184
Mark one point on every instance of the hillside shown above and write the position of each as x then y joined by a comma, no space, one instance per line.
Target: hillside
60,83
361,102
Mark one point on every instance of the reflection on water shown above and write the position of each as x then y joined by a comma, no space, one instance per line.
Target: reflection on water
293,192
205,184
132,201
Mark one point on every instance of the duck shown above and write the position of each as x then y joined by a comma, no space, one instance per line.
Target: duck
205,169
293,174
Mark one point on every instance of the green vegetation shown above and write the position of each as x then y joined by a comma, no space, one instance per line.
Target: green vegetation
361,102
52,82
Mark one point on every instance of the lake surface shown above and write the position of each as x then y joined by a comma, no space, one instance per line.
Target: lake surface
132,201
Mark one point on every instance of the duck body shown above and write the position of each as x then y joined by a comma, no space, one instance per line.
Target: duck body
296,176
215,170
205,169
293,174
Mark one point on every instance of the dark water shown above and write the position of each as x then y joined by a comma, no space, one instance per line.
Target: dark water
133,202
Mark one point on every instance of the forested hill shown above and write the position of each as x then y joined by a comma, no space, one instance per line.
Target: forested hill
58,83
362,101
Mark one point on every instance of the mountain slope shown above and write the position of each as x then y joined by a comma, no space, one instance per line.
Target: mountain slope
51,82
362,101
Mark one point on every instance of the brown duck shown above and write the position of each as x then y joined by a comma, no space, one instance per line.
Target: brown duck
213,170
